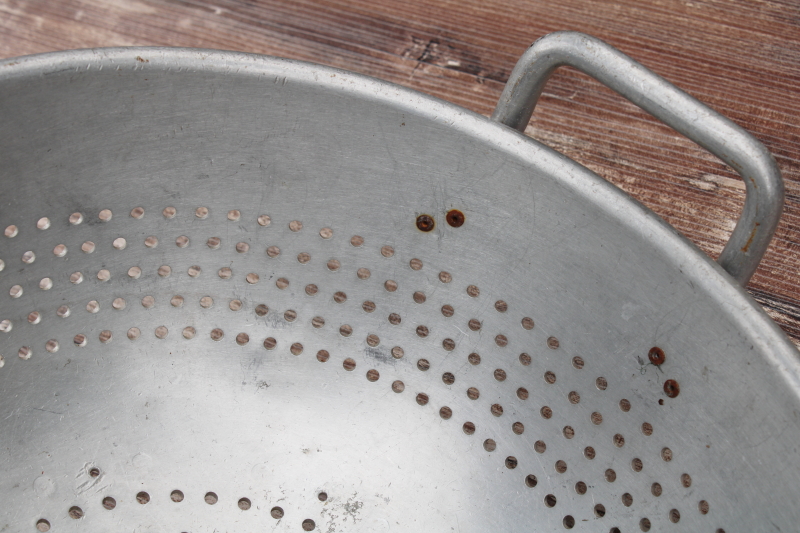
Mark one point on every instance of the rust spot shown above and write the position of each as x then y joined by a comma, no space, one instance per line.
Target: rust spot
140,59
455,218
425,223
746,246
657,356
671,388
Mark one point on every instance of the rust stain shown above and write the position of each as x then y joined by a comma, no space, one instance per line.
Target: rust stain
140,59
746,246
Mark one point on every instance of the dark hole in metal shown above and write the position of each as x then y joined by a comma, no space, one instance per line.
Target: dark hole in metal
657,356
455,218
425,223
671,388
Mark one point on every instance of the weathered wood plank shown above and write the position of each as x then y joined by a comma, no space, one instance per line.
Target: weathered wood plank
741,58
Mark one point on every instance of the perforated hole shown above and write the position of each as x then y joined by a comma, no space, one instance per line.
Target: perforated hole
264,220
581,488
51,346
211,498
627,500
189,332
109,503
489,445
326,233
601,383
550,500
390,285
474,359
624,405
5,326
28,257
656,490
357,240
176,496
234,215
87,247
151,241
164,271
201,212
276,513
445,277
43,525
207,301
75,512
143,498
161,332
244,504
119,243
309,525
11,231
75,219
60,250
553,343
134,333
25,352
644,524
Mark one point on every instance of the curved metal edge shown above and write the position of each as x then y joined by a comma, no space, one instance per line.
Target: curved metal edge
720,136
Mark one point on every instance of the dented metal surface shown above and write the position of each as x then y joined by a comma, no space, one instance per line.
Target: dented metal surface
243,313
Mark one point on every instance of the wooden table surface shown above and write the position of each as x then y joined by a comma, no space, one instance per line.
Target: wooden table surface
740,57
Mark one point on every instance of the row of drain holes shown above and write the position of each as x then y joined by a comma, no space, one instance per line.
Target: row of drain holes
177,496
308,524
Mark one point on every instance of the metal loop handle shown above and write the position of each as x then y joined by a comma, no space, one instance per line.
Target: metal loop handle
687,115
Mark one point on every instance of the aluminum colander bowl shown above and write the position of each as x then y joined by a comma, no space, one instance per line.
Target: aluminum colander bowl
241,294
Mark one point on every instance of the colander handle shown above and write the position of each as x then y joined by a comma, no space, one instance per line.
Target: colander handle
687,115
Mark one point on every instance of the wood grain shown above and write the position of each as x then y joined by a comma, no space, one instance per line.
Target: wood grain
741,58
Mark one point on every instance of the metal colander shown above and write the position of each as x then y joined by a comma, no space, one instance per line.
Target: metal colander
248,294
